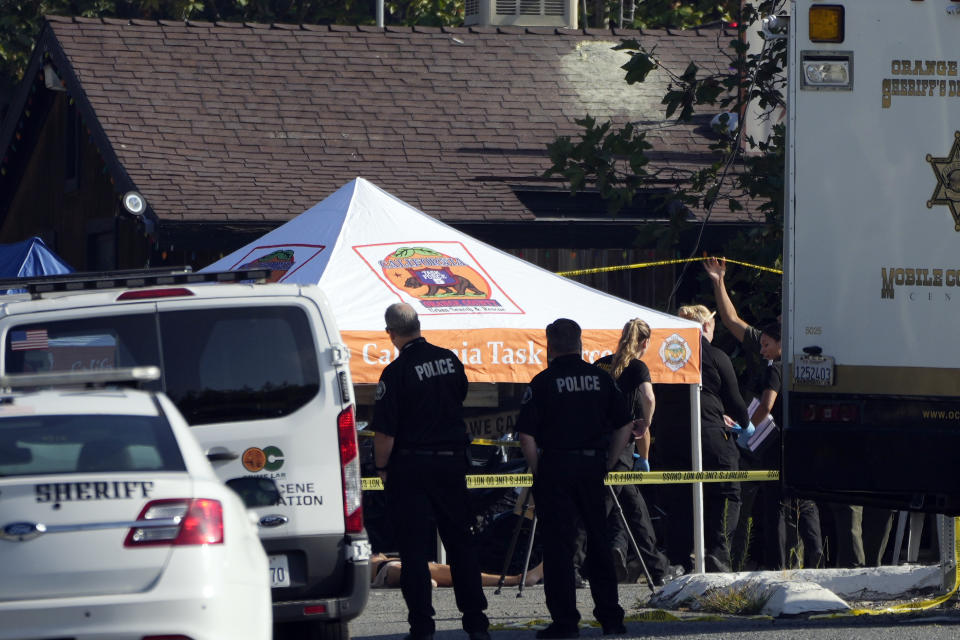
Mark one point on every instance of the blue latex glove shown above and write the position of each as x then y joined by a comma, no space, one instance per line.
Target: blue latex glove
743,435
640,464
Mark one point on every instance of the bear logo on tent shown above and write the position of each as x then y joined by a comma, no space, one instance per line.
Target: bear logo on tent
438,280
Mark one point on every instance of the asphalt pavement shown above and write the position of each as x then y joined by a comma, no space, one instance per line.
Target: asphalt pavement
385,613
813,596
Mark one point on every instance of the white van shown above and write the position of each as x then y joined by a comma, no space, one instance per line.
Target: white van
260,374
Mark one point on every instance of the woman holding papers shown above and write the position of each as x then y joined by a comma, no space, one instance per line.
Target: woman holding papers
779,512
762,449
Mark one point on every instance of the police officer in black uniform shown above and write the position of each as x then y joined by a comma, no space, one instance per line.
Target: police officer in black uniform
420,451
576,416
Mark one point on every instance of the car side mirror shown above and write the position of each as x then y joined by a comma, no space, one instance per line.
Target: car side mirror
255,491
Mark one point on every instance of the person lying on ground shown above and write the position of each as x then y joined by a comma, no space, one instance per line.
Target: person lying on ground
385,572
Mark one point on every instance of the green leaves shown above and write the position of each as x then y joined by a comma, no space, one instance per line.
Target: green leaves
22,20
406,252
684,15
641,62
689,91
613,160
432,13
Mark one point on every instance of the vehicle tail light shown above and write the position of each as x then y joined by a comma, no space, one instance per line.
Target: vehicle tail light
178,522
350,468
146,294
314,609
848,413
830,412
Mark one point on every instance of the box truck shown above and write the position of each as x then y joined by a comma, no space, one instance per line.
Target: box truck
872,253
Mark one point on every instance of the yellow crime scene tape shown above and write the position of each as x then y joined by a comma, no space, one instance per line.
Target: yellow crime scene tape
659,263
506,480
478,441
495,443
911,607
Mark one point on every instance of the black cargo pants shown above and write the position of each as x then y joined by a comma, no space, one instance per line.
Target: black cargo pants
420,489
721,499
568,485
641,526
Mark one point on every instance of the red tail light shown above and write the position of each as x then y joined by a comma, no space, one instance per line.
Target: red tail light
350,469
146,294
849,413
314,609
832,412
178,522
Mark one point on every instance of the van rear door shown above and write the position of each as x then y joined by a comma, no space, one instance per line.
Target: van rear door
249,380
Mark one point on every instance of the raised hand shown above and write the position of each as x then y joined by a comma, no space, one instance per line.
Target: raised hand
716,269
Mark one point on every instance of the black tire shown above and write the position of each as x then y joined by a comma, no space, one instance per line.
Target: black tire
331,631
314,630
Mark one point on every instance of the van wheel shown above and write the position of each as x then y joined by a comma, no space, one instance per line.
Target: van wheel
330,631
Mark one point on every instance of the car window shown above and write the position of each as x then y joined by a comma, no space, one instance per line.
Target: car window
241,363
220,364
105,342
62,444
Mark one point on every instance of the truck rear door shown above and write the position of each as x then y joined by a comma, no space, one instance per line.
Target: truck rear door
872,285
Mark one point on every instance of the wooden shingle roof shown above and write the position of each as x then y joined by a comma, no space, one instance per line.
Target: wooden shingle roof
236,122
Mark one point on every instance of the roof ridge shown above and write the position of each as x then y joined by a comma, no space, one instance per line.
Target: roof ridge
359,28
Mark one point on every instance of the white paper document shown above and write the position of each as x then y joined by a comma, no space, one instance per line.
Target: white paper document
762,430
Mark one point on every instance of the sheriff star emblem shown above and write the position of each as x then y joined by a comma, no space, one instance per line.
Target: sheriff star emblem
947,171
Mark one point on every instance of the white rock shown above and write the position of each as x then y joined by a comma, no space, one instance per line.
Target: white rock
805,591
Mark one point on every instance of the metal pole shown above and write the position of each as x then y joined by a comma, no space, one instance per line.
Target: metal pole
526,558
917,519
949,551
636,547
513,539
379,13
898,539
697,460
441,551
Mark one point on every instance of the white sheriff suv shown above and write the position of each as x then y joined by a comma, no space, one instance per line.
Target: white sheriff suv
114,524
261,375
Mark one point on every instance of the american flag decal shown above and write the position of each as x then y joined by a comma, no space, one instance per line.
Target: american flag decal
26,340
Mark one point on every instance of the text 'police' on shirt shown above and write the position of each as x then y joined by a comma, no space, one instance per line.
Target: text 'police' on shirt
567,384
435,368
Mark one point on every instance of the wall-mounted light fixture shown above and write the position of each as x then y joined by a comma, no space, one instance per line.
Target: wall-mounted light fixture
134,203
51,80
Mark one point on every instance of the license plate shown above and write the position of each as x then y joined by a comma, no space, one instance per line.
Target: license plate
279,571
816,370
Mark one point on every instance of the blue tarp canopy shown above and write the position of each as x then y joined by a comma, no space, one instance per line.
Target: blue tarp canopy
29,258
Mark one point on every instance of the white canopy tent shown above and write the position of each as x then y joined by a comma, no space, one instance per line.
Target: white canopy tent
367,249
